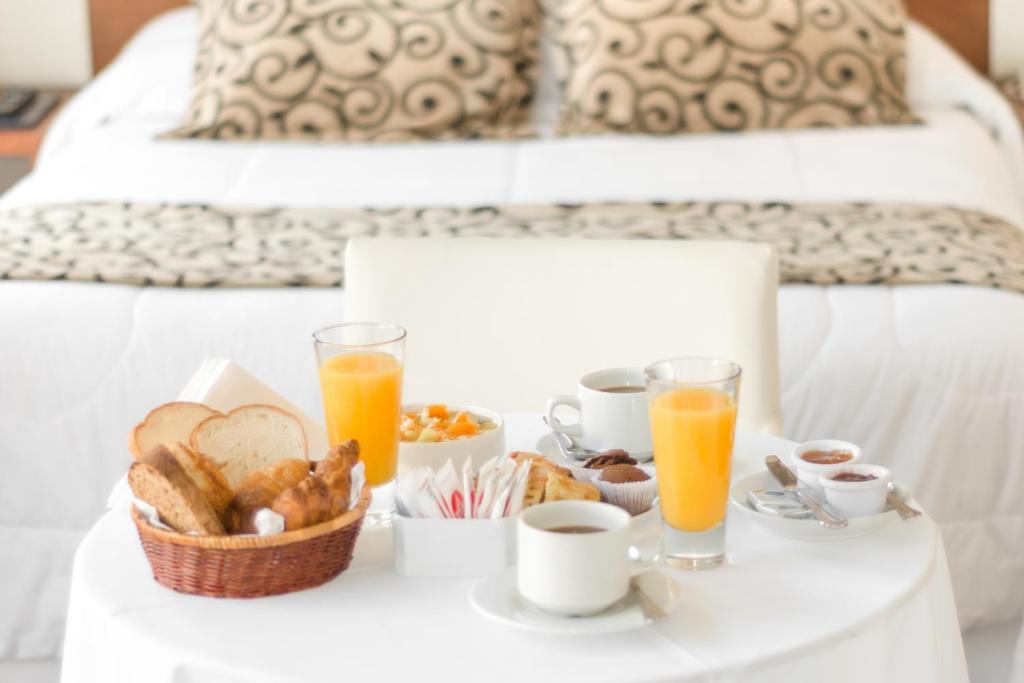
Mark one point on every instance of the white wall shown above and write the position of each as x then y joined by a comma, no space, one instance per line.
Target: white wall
1007,36
44,43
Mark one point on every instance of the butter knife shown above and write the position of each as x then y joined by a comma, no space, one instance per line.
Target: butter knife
789,482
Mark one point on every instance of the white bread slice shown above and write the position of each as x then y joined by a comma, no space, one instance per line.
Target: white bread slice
205,475
249,438
170,422
157,478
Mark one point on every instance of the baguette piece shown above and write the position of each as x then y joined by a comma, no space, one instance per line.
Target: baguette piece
205,475
170,422
160,480
260,489
248,438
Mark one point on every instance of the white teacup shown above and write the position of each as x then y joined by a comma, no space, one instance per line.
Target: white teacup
578,573
613,412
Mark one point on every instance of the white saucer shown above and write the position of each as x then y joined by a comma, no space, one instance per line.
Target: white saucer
497,598
805,529
548,447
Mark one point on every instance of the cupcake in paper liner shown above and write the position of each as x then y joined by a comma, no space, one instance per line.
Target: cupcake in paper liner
582,473
628,487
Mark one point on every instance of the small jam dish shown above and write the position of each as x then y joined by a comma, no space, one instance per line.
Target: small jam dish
857,490
813,459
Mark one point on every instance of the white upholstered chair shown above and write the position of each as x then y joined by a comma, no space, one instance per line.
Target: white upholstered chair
506,323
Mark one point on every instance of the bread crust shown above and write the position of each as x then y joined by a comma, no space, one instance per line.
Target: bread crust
159,464
260,489
133,435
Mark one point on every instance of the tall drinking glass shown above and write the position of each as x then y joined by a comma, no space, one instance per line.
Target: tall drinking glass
693,422
360,367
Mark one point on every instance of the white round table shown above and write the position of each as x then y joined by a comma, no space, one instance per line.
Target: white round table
875,608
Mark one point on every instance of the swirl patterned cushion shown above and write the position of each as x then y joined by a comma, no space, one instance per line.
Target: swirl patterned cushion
673,66
363,70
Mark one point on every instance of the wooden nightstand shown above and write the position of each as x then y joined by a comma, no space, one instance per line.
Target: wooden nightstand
19,147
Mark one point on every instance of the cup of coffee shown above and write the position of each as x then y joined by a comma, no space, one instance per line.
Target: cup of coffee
574,556
612,405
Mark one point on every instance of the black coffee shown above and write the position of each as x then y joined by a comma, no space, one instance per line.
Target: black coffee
576,529
623,390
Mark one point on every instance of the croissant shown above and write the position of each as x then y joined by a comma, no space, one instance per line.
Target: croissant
307,503
323,496
260,489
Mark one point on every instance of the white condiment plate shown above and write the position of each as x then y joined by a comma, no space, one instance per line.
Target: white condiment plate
805,529
497,598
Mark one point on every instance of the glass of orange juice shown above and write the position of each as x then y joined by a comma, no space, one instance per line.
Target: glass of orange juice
692,404
360,366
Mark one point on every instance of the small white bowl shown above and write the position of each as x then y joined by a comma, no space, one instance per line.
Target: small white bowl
479,447
808,472
857,498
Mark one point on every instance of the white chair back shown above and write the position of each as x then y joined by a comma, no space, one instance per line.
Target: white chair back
506,323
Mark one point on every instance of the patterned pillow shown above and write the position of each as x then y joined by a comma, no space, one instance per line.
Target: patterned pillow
357,70
671,66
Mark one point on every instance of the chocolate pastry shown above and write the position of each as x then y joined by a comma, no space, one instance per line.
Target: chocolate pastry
616,456
621,474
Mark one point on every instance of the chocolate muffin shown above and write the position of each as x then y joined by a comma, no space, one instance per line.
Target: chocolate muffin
622,474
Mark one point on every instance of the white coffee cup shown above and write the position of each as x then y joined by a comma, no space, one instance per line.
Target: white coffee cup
608,419
579,573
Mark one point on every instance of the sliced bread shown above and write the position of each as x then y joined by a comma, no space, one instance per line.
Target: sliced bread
170,422
249,438
204,474
159,479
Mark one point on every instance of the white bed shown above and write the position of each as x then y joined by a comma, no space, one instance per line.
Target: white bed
928,379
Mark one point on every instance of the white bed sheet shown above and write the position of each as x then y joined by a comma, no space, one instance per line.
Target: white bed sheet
929,379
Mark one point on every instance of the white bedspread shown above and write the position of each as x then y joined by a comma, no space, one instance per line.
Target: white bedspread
928,379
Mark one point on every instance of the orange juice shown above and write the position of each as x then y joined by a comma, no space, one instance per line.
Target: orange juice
362,393
692,431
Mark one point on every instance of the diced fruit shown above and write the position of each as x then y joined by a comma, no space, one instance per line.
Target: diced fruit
429,435
439,410
466,428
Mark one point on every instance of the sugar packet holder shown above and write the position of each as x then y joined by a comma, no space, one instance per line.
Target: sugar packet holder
494,492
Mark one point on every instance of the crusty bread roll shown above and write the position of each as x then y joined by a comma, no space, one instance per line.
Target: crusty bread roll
170,422
249,438
260,489
205,475
159,479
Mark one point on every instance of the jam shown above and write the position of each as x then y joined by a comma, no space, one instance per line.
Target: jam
853,476
833,457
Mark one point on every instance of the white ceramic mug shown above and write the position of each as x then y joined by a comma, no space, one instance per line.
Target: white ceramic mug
608,419
579,573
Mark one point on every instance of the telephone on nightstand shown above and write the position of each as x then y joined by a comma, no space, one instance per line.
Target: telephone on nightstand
24,108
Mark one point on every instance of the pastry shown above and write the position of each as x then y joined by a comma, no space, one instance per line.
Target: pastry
560,487
306,504
621,474
260,489
160,480
613,457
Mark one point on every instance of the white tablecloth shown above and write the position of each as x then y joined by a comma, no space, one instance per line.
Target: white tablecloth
877,608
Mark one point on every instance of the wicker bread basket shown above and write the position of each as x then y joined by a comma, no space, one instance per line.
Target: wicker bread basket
252,566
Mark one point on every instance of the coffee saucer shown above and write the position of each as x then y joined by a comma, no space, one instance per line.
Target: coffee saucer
497,598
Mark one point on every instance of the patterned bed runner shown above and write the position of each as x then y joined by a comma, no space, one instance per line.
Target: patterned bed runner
195,245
